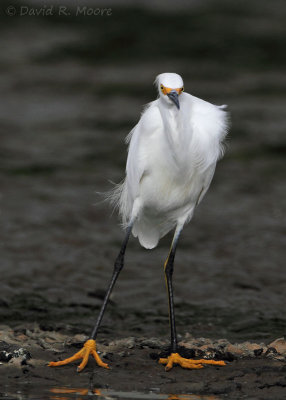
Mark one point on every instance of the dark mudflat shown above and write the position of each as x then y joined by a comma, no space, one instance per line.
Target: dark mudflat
251,371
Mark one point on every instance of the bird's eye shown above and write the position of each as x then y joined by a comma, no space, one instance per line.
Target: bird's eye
162,87
182,89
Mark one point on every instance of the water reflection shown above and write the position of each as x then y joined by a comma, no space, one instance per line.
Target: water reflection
108,394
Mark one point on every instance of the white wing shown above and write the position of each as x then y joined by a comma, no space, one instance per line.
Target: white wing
128,191
206,181
210,125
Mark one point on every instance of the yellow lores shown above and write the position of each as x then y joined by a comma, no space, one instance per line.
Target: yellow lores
166,90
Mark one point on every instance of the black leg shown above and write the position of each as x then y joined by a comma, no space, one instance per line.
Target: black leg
169,268
175,358
118,265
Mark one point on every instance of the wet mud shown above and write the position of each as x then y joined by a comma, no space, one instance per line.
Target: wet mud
252,369
68,99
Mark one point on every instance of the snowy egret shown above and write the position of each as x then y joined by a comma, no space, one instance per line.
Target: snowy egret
173,151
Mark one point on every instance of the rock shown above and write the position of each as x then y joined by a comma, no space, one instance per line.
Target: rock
80,338
7,334
258,352
189,336
271,352
22,337
187,345
16,362
152,343
234,350
279,345
222,342
10,351
128,343
248,348
5,356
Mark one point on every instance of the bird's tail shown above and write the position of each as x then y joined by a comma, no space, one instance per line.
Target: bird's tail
119,200
147,234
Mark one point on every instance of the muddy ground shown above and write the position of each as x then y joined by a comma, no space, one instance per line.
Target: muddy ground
71,89
251,370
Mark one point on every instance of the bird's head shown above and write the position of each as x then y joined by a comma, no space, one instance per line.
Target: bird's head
170,87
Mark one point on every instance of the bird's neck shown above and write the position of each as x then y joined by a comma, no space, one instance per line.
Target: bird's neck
177,131
174,122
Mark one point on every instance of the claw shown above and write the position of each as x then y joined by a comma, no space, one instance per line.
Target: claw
88,348
175,358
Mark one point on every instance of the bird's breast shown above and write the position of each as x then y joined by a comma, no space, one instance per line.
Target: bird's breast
171,179
163,188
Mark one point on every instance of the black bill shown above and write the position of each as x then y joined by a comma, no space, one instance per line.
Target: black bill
173,95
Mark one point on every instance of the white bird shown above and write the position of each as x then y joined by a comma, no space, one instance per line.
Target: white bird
172,155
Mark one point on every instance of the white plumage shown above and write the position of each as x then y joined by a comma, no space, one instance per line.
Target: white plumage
171,160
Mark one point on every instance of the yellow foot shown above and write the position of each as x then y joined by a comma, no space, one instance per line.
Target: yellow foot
175,358
88,348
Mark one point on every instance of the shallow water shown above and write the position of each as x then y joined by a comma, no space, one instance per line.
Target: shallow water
68,393
108,394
